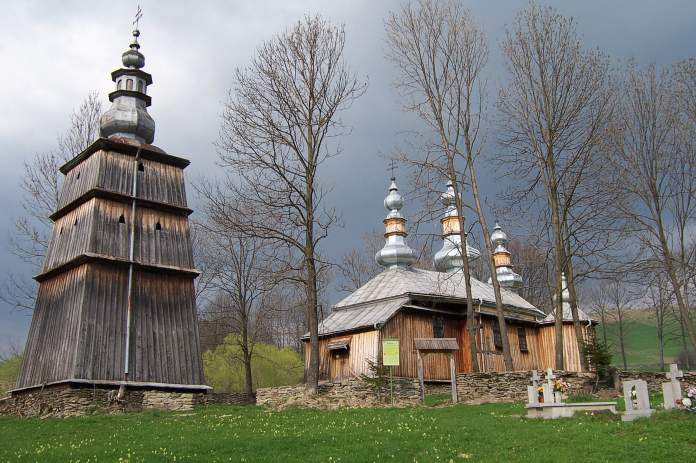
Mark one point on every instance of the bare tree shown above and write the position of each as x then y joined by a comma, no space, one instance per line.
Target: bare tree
660,299
282,111
441,53
647,141
358,265
553,112
240,276
40,187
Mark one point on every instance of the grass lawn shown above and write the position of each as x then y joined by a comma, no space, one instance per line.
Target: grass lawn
491,432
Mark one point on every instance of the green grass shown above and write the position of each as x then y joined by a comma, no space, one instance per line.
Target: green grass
640,335
9,369
490,432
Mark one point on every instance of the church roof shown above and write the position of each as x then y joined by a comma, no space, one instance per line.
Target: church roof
399,281
380,298
568,315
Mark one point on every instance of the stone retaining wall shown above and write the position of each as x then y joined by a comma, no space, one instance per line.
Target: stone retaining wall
512,385
352,393
654,379
66,400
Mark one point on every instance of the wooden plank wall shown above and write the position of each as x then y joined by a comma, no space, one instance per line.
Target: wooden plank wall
70,236
94,227
493,359
342,365
571,354
78,328
81,179
55,326
408,326
166,342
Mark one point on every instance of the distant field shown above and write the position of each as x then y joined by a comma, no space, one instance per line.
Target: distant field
641,340
482,433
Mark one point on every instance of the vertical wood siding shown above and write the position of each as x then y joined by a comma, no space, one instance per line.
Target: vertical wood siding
337,366
166,347
94,227
571,353
113,172
49,354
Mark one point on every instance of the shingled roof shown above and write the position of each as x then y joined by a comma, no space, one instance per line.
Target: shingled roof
379,299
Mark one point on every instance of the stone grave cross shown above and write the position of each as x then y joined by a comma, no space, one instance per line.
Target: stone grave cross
671,392
532,392
549,396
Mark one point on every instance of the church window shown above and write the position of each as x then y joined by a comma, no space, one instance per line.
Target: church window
497,337
438,327
522,339
129,84
158,226
122,219
118,84
141,87
141,167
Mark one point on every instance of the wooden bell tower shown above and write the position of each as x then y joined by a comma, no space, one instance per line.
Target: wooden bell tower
116,302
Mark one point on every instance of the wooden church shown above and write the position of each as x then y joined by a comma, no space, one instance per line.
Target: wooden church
115,305
412,304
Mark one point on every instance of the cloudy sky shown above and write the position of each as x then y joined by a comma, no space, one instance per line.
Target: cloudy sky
54,53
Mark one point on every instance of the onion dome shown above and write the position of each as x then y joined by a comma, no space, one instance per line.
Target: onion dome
395,253
507,278
128,116
449,257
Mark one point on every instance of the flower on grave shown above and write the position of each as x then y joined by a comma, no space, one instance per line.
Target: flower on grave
691,392
560,386
686,402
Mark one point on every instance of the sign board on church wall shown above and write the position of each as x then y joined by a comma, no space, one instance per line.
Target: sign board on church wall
390,352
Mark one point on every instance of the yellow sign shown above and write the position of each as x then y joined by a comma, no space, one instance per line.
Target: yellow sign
390,352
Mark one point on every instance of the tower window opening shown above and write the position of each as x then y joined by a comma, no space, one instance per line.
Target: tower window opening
141,167
158,226
77,176
497,337
129,84
122,219
75,224
60,231
118,84
522,339
141,87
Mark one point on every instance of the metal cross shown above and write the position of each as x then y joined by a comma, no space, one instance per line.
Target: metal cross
138,15
392,167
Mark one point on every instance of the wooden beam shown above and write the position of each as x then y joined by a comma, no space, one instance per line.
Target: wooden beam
420,376
453,377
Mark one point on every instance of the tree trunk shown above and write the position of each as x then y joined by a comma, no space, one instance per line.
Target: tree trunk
622,345
577,324
507,355
470,316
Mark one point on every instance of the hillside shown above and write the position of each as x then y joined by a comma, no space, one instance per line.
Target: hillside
641,340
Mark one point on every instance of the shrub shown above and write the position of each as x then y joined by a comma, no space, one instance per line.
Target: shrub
598,356
270,366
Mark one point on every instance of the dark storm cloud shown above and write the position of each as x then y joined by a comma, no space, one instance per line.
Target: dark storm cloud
55,53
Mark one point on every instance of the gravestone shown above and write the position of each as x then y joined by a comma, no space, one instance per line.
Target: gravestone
549,395
637,400
532,391
671,392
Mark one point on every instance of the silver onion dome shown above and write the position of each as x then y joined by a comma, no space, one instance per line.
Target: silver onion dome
449,257
505,275
396,252
128,116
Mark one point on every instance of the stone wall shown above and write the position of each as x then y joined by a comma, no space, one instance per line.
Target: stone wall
351,393
654,379
66,400
512,385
